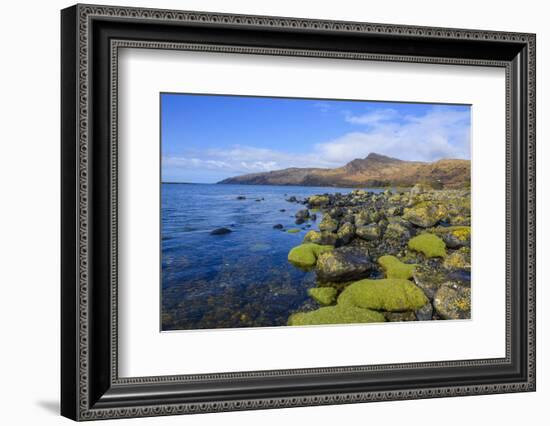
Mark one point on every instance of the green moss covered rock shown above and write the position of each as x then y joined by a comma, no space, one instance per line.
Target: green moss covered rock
323,295
428,244
336,315
394,268
293,230
393,295
305,255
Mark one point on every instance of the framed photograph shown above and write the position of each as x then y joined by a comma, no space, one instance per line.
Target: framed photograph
263,212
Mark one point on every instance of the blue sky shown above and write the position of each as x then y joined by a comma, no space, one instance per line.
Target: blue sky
207,138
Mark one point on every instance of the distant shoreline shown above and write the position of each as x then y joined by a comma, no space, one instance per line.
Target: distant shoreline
397,188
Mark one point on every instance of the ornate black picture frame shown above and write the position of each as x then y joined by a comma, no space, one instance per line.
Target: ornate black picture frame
91,37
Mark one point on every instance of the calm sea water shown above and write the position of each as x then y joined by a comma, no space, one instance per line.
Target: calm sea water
241,279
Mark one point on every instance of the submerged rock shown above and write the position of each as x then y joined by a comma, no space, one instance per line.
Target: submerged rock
344,264
302,214
452,301
220,231
278,226
392,295
428,244
293,231
323,295
241,197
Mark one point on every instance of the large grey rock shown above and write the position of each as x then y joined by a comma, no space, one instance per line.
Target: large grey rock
344,264
369,232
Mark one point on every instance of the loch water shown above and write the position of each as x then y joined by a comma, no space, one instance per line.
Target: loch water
238,279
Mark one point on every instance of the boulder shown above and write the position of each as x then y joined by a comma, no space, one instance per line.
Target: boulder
425,214
318,200
459,259
425,312
323,238
396,231
278,226
455,236
328,224
344,264
345,233
453,301
369,232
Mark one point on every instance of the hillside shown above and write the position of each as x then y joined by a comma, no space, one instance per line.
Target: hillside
373,171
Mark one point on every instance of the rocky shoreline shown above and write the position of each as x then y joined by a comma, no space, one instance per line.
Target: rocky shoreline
391,256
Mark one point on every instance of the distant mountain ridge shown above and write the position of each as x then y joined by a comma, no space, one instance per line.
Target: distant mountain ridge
375,170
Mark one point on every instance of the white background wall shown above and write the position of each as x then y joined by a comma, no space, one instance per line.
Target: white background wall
29,213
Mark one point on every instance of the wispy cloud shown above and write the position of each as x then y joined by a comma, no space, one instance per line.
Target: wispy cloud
324,107
373,117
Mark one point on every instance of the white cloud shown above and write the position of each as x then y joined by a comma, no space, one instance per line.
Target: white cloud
440,133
